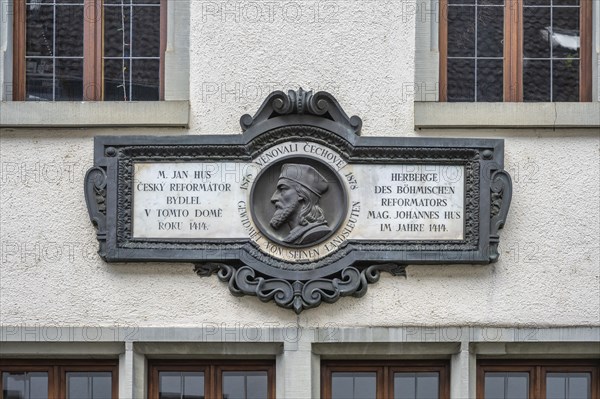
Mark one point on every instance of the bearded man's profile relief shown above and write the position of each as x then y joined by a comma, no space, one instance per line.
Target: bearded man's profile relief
296,200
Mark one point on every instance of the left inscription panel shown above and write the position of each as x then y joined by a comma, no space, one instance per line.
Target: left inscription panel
189,200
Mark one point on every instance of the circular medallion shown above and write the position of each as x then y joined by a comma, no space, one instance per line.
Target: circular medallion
298,201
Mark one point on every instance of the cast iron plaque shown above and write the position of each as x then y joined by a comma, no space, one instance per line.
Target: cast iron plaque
299,208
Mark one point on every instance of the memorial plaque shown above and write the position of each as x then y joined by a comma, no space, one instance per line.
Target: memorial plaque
298,209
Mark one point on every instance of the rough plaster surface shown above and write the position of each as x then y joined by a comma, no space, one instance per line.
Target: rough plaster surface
547,274
347,49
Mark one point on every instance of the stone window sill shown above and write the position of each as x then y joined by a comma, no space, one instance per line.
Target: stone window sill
94,114
429,115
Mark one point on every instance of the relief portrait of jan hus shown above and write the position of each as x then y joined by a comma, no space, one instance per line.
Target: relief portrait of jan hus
296,200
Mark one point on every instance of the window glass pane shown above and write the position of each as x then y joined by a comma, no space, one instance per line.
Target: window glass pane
40,30
568,386
31,385
69,31
536,27
69,81
491,2
461,31
565,80
180,385
536,2
89,385
551,45
146,31
490,31
461,79
54,32
116,31
565,32
357,385
416,385
39,83
489,80
145,80
536,80
116,79
245,385
565,2
454,2
135,2
506,385
131,50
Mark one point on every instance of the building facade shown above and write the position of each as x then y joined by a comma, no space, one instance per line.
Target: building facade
528,324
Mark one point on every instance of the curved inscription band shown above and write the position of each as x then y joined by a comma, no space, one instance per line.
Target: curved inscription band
295,294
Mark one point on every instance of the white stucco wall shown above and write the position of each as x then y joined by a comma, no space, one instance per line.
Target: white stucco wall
547,274
363,53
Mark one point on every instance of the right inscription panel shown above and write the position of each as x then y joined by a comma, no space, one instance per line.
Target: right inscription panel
410,202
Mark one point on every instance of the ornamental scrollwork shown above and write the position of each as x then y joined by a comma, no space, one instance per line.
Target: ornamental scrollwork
500,196
298,295
301,102
95,197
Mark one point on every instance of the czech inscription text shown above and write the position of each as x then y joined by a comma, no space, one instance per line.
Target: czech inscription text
186,200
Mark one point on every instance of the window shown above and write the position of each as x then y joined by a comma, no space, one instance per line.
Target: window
211,379
516,50
382,380
77,50
70,379
564,379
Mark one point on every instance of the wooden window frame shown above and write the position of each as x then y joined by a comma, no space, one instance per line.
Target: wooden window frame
93,28
513,51
537,370
385,370
213,371
57,372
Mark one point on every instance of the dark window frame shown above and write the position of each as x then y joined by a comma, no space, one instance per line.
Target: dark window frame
213,371
57,371
513,51
537,370
385,370
93,79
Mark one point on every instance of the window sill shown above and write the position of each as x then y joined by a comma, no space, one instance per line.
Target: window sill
94,114
430,115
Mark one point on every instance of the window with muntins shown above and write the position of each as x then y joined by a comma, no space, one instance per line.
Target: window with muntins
383,380
53,379
543,379
74,50
199,379
515,50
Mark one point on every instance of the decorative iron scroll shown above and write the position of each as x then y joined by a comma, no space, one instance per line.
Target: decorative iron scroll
95,198
298,295
321,104
501,196
343,229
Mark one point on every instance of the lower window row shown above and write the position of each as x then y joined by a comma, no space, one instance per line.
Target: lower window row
194,379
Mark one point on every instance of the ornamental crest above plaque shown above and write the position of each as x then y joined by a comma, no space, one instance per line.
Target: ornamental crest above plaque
299,209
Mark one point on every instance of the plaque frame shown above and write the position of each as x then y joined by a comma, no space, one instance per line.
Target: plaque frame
298,116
